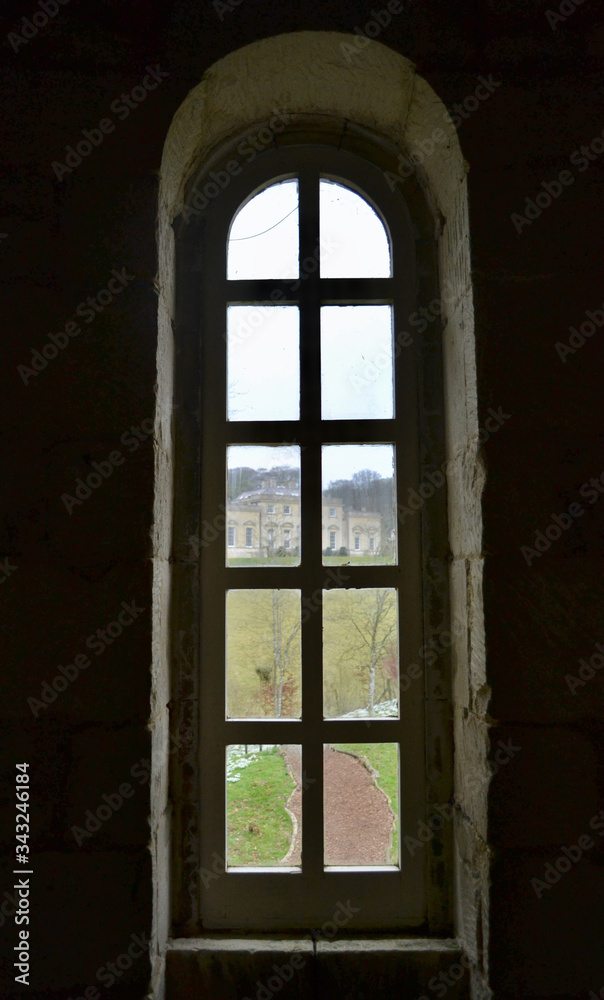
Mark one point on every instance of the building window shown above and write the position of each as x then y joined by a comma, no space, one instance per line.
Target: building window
322,205
270,509
276,675
230,536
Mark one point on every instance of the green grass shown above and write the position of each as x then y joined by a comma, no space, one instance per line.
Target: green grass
259,830
383,758
357,560
265,561
295,561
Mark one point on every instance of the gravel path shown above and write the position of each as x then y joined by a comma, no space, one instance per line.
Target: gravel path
359,820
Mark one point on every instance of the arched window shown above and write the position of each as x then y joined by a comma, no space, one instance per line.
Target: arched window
324,414
307,273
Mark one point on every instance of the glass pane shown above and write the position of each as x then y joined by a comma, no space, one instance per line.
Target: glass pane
357,363
359,504
263,241
264,799
351,226
263,505
263,662
361,796
263,362
360,653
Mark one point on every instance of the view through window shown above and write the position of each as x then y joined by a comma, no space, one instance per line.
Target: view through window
263,626
312,591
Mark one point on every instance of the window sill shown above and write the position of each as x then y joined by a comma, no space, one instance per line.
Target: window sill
258,967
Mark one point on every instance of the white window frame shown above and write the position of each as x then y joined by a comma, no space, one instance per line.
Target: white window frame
402,894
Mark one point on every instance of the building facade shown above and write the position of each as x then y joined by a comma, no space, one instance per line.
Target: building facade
266,522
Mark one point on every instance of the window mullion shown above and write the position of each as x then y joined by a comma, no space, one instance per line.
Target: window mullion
310,430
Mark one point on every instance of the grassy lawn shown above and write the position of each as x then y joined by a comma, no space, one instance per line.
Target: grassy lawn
357,560
384,759
259,830
265,561
327,561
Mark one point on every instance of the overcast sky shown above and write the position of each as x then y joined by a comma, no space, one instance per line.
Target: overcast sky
339,461
356,341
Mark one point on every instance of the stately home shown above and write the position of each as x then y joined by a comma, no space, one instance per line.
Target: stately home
266,521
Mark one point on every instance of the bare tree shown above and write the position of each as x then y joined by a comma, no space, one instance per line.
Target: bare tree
268,632
363,623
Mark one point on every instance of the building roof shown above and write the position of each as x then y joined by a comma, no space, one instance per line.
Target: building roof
272,491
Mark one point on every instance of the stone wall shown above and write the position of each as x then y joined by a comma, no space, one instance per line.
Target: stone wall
68,220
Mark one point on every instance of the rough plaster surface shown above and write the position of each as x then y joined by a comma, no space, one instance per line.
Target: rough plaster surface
307,72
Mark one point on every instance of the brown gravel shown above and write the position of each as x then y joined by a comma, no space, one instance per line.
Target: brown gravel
359,820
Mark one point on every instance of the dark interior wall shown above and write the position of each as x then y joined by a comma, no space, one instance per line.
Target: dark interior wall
66,571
